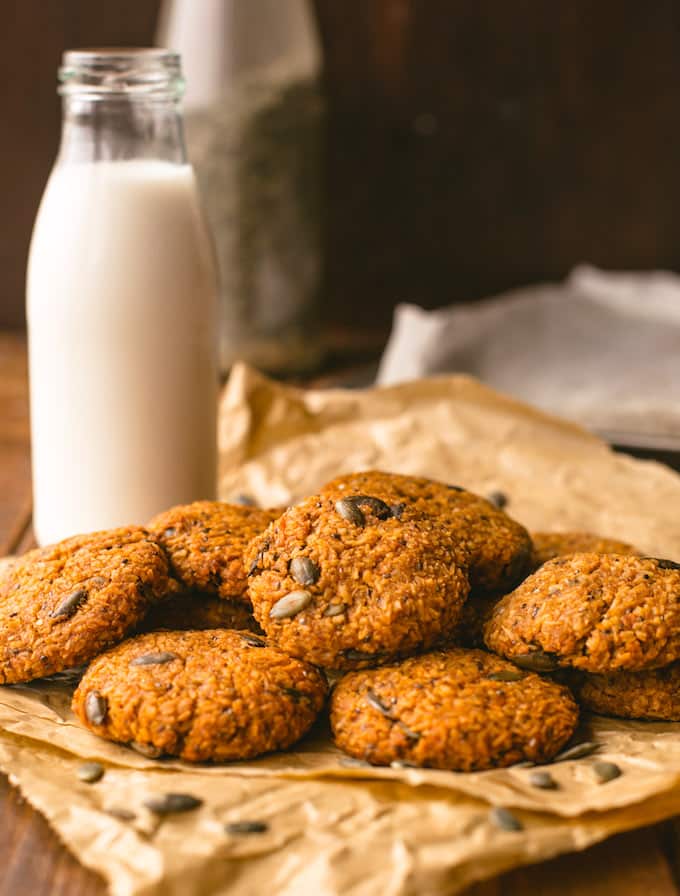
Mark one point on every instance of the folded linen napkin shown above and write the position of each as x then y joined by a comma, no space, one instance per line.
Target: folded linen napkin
601,348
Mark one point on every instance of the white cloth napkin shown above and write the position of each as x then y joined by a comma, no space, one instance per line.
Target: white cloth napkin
601,348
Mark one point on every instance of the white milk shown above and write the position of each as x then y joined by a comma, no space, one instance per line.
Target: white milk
121,308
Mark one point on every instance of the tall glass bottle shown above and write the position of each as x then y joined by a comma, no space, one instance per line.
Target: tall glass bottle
121,305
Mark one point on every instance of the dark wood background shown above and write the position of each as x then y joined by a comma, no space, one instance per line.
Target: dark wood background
473,145
33,35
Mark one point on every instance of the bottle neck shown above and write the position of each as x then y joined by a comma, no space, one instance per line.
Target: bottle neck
121,104
120,128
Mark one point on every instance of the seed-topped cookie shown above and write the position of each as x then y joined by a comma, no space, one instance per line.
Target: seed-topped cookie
548,545
200,695
499,547
352,581
457,709
595,612
194,610
62,605
650,694
205,542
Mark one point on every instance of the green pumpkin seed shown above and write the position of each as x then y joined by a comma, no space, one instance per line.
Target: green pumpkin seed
69,604
148,750
120,813
606,771
666,564
578,751
168,803
504,819
90,772
542,780
304,571
246,827
507,675
349,511
153,659
360,656
377,506
252,640
537,661
290,605
373,700
350,762
96,708
498,499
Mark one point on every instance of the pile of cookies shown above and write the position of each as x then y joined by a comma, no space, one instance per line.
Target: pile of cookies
455,639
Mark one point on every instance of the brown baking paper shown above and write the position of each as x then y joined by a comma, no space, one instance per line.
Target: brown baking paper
335,827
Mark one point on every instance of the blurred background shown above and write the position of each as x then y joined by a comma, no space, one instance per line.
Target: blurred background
431,151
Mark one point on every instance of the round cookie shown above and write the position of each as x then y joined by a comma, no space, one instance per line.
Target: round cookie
62,605
595,612
200,695
499,547
192,610
352,582
205,542
650,694
548,545
458,709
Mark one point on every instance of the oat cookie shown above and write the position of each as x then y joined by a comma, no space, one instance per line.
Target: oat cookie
351,582
200,695
62,605
548,545
205,542
195,610
650,694
499,547
596,612
457,709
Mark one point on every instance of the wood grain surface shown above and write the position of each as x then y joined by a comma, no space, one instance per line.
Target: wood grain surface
639,863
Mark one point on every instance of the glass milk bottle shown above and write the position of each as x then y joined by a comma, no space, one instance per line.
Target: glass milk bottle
121,305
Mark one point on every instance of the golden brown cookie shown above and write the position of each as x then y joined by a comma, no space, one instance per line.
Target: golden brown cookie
458,709
205,542
209,695
596,612
62,605
650,694
499,547
548,545
194,610
350,582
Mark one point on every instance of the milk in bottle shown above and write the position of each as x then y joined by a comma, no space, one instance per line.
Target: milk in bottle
121,305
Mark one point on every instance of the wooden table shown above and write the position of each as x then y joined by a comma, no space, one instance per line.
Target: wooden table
640,863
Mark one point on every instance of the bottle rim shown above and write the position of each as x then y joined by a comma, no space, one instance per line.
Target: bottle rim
100,72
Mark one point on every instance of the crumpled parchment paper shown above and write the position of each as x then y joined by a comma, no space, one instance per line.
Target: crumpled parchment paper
335,827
